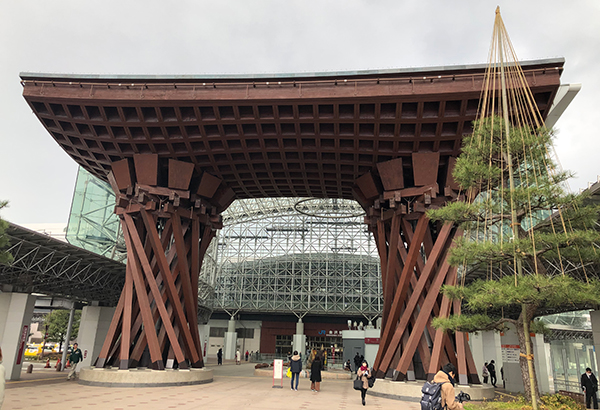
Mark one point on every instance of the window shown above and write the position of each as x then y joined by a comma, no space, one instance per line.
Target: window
218,331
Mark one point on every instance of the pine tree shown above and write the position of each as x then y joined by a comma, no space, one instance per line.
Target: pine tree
547,267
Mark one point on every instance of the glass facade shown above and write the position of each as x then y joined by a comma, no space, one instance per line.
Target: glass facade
92,223
569,361
571,348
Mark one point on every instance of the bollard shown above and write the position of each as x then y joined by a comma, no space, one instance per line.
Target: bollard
30,368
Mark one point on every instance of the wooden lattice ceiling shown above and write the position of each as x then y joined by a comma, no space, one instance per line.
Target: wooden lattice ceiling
293,136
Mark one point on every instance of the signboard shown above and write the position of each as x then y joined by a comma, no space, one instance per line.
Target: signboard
278,372
371,340
22,341
510,353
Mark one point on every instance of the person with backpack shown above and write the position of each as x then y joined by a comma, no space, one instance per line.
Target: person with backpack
364,373
439,393
296,368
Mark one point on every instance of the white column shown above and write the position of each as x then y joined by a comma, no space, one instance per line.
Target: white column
476,344
299,339
512,369
230,341
93,328
542,368
371,345
595,318
16,311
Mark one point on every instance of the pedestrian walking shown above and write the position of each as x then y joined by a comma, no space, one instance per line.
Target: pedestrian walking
220,357
296,368
247,353
365,374
589,384
2,379
75,357
315,373
485,373
238,357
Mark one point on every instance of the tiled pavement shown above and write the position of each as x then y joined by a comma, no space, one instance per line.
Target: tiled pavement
234,387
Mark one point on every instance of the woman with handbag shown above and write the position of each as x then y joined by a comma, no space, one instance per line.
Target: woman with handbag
364,374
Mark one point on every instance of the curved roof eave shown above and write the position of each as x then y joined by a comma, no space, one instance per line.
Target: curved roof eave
264,76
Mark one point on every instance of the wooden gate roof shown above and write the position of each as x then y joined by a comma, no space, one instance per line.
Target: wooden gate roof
294,135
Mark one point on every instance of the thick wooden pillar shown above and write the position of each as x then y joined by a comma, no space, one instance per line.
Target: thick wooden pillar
414,265
169,214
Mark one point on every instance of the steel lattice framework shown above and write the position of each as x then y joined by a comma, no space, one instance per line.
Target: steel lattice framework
46,265
298,255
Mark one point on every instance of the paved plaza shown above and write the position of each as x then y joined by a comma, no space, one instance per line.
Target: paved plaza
234,387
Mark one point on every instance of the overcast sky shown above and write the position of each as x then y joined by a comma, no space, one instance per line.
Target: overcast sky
246,36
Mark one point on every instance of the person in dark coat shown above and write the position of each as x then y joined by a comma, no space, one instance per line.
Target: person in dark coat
589,384
492,370
220,357
296,368
315,373
364,373
356,362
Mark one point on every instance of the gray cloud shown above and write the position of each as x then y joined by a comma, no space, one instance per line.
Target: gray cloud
154,37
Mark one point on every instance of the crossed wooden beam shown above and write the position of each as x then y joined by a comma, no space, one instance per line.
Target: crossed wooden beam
169,213
414,266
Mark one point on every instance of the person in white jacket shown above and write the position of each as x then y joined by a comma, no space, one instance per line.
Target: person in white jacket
2,379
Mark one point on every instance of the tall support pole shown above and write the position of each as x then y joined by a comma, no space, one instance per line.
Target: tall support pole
63,360
513,211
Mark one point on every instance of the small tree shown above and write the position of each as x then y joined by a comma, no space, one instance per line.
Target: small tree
5,257
545,267
57,322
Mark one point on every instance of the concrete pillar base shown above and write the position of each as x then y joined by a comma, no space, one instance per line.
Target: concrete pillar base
113,377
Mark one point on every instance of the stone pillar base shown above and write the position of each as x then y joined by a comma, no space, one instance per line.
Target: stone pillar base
113,377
